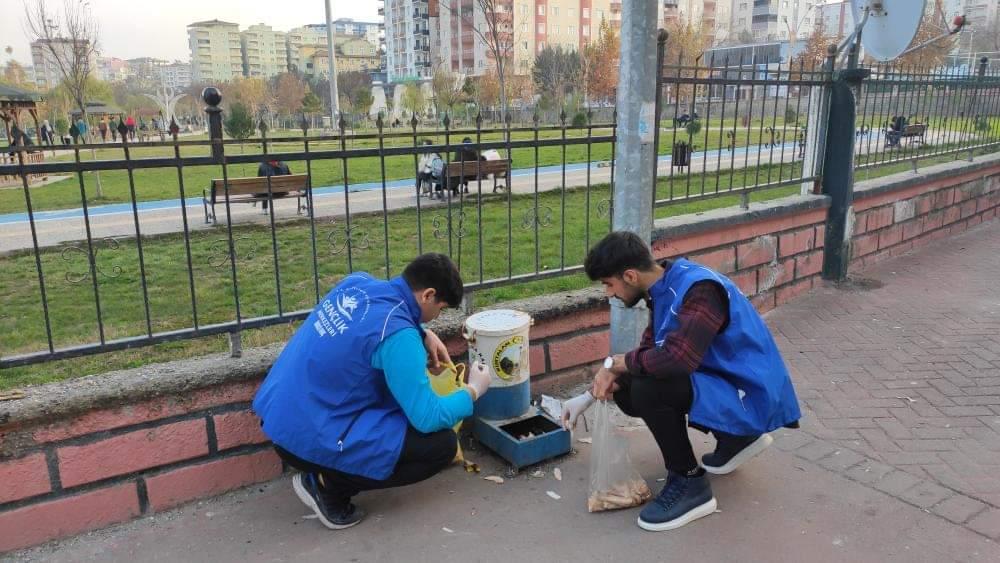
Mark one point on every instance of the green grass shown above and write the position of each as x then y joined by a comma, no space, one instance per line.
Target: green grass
73,310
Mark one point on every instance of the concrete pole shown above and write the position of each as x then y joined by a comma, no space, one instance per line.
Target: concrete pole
332,61
634,152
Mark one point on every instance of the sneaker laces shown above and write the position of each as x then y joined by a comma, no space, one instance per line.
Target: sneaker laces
673,491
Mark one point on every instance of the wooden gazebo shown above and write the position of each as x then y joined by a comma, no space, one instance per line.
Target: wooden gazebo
13,101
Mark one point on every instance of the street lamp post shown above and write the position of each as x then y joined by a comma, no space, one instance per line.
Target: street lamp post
332,62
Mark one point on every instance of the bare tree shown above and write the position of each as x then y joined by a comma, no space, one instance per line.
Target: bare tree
70,41
496,33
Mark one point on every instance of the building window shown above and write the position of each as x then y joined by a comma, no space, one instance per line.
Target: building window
586,31
555,29
572,30
524,45
555,11
541,28
524,27
541,10
586,13
600,14
571,12
541,45
524,9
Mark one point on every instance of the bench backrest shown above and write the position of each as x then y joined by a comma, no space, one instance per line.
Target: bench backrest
477,167
243,186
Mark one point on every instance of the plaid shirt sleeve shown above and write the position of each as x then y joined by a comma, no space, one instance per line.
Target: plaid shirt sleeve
701,316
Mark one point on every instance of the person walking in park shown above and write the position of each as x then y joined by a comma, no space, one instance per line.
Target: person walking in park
425,176
706,360
130,123
348,402
102,129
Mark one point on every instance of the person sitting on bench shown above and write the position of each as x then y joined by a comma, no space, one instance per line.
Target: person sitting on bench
466,154
272,168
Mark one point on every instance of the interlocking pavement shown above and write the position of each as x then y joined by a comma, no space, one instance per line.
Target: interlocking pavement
898,372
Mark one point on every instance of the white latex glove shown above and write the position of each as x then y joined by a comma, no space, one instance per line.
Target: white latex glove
479,380
573,408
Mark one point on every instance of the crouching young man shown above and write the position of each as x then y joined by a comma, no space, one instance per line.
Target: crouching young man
706,360
348,402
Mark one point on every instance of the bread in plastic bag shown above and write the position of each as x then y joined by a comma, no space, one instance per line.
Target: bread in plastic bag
614,482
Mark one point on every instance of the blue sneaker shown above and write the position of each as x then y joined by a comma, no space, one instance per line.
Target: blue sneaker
682,500
307,488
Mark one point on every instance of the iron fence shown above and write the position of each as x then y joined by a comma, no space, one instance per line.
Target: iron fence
145,262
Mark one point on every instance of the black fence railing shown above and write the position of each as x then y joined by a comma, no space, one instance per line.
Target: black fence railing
113,246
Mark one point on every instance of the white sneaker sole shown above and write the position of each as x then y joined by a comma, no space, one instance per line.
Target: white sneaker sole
692,515
745,455
306,498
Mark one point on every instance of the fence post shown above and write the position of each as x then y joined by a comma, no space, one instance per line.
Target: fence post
838,172
213,98
635,155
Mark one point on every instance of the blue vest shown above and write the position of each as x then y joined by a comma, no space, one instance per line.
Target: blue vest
322,400
742,386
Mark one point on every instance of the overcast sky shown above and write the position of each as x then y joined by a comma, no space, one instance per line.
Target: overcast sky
158,28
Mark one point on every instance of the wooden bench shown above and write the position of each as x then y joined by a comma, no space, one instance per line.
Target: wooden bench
252,190
459,173
915,132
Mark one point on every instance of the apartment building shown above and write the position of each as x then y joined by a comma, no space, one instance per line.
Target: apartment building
712,16
264,51
769,20
47,72
407,39
216,51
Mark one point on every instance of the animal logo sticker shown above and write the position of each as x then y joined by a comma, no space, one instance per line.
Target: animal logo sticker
507,358
336,315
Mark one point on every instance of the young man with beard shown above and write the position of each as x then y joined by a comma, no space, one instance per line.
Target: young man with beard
706,360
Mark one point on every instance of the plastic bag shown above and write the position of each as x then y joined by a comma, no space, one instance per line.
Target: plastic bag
614,483
449,380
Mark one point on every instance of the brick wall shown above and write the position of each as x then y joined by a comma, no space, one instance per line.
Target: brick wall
895,221
65,470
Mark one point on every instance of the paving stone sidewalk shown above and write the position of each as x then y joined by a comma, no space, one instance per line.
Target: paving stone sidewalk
899,374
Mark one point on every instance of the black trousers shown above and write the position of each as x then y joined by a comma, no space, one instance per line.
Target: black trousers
663,404
423,456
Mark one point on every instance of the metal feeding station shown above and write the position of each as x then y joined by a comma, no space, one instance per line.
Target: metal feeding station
504,419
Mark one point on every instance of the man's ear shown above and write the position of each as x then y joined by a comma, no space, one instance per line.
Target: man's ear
630,276
428,295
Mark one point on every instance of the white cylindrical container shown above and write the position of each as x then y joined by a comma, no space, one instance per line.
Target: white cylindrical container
498,338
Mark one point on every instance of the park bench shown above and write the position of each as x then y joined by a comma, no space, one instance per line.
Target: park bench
915,132
459,173
252,190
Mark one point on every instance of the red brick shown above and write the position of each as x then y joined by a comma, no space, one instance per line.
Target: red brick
761,250
983,203
797,242
879,218
66,516
763,302
860,224
901,249
944,198
952,214
130,452
161,407
24,477
770,277
890,237
968,208
913,229
578,350
237,429
671,247
570,323
175,487
820,236
808,264
746,281
974,220
536,358
933,221
722,260
791,291
923,204
864,245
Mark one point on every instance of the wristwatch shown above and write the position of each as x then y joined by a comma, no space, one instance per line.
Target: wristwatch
609,362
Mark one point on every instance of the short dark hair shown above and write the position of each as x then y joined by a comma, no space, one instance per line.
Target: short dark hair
617,252
435,271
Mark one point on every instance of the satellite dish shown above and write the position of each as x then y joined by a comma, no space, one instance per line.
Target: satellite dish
889,25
